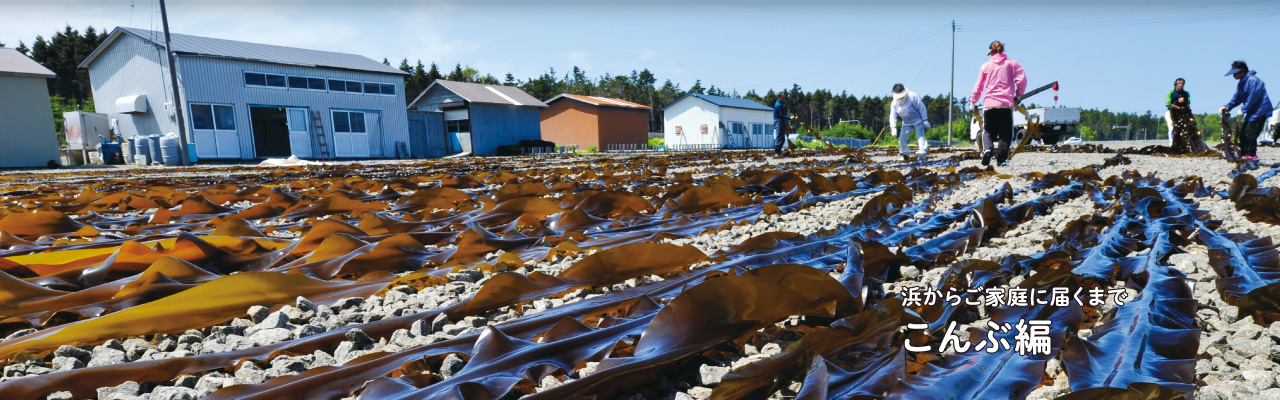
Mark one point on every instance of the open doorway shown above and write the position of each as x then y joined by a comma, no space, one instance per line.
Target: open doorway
270,131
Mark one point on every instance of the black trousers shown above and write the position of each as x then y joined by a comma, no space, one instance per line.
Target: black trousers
1249,137
997,124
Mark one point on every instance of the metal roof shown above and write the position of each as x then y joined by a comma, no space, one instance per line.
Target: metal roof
485,94
724,102
13,63
233,49
599,101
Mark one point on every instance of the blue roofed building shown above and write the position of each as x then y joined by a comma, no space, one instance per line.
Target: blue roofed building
473,118
703,121
249,100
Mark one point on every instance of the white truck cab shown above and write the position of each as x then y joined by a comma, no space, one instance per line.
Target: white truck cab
1272,129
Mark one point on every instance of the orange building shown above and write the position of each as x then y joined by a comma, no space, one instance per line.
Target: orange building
571,119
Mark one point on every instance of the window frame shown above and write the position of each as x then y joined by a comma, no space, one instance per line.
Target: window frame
350,122
364,86
213,115
289,82
265,80
323,81
195,117
308,79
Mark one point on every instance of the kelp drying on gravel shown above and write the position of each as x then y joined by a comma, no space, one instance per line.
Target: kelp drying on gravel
83,263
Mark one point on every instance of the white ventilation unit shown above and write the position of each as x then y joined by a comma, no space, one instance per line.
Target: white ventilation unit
136,104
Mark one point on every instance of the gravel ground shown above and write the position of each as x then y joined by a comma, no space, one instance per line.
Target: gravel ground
1237,358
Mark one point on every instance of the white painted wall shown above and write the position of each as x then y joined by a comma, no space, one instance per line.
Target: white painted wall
749,117
690,113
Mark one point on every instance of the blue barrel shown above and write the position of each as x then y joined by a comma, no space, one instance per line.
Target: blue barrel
142,147
156,155
111,153
170,150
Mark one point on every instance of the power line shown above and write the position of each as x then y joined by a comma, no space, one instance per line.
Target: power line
926,61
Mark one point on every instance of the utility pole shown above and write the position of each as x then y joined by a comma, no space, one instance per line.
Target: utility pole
177,99
951,97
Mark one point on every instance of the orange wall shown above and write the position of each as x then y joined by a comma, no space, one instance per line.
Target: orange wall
623,125
567,122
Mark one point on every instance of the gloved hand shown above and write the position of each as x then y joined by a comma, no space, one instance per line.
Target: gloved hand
927,125
895,132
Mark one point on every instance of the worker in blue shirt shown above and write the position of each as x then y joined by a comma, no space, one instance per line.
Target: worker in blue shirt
779,124
1251,96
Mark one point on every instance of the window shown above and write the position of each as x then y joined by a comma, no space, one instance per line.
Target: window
255,79
294,82
213,116
275,80
348,122
357,122
462,125
261,79
757,129
201,116
224,118
341,122
297,82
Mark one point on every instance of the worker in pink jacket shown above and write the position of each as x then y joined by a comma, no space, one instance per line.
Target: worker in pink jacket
1000,82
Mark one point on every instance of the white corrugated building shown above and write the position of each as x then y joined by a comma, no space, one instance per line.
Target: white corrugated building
26,118
248,100
700,120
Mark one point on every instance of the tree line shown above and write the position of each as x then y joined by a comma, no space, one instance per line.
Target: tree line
821,109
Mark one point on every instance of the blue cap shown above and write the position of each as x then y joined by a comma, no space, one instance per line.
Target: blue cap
1237,67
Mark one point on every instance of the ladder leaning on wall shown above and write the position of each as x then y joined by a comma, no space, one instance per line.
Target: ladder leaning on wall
321,137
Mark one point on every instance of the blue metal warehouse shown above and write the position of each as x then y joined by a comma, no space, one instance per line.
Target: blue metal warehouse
459,117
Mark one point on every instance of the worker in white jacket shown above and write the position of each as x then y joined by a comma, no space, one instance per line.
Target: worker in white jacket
908,108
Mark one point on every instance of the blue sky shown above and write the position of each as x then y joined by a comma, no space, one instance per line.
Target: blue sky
1119,55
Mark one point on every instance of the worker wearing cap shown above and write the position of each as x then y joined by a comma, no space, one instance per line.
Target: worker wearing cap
779,124
1178,103
1000,82
1251,96
908,108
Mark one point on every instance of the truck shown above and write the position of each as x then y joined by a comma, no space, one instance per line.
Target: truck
1056,124
1272,129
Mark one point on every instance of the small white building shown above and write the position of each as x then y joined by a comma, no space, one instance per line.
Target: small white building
696,120
26,118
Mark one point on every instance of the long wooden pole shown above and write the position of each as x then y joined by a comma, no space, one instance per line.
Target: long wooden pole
177,97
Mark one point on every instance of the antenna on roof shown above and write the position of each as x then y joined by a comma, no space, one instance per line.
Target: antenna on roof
173,81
